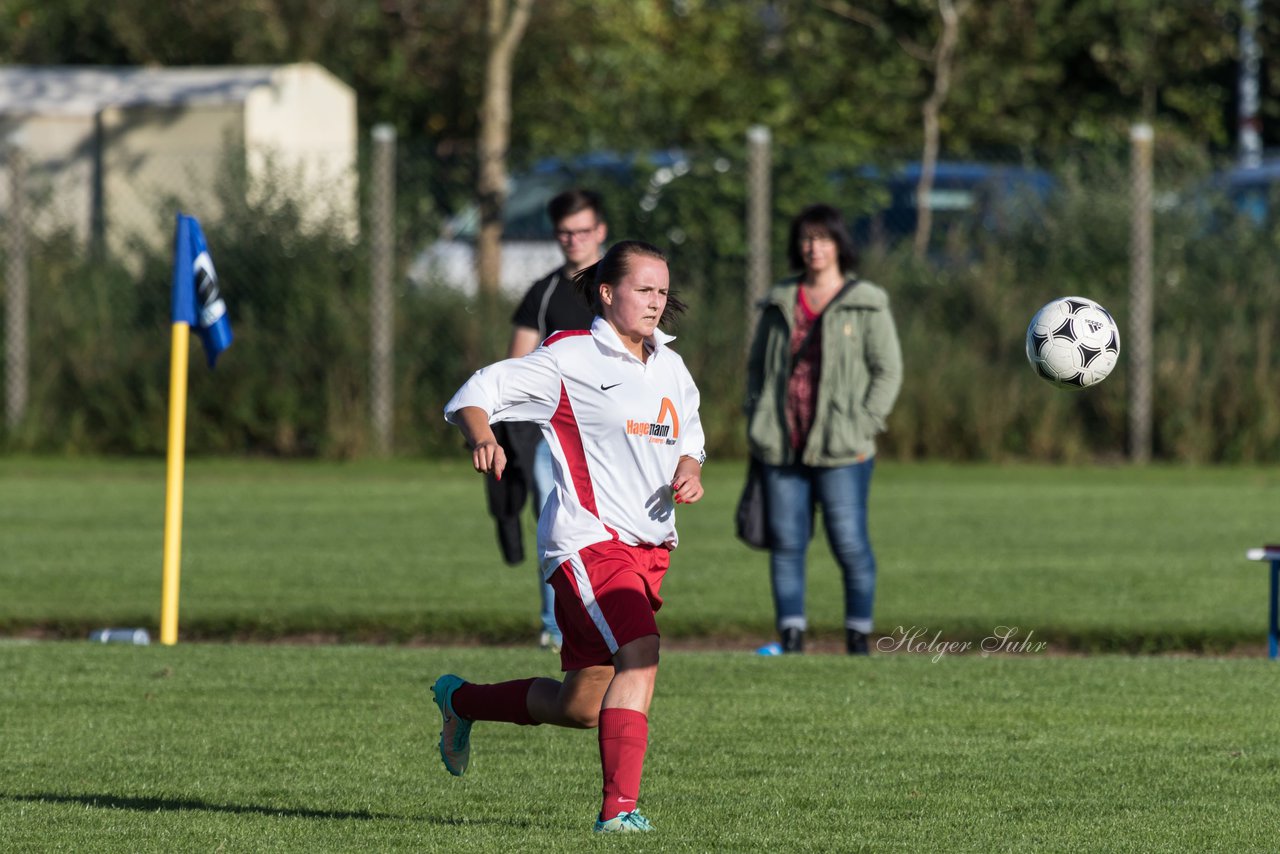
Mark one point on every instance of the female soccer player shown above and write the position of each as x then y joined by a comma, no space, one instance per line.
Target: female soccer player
620,412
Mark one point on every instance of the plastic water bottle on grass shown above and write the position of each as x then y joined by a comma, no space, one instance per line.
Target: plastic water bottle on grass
138,637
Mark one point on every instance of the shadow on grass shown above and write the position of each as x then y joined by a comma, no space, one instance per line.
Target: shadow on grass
178,804
118,802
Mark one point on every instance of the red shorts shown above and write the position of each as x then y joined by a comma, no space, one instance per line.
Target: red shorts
606,596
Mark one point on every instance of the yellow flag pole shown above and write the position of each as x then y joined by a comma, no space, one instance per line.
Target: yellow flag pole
180,348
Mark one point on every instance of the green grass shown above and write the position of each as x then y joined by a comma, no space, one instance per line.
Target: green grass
238,747
208,747
1100,558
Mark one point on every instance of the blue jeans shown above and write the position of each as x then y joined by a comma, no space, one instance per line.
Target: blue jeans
544,481
842,492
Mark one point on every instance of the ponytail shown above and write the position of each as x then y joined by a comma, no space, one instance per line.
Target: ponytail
584,282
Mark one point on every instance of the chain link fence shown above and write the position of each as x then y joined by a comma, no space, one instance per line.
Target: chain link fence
356,316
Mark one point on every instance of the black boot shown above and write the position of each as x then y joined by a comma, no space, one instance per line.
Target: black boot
792,640
856,642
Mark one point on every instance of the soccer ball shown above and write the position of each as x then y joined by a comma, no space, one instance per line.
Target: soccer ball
1073,342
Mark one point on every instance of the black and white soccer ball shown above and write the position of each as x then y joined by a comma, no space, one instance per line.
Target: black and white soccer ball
1073,342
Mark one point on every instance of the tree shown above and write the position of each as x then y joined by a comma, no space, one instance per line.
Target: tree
942,60
506,26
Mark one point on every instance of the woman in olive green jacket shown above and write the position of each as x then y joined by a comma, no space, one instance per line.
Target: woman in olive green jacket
824,371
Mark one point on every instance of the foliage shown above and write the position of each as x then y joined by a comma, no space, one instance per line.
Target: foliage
839,85
296,381
299,294
650,73
103,387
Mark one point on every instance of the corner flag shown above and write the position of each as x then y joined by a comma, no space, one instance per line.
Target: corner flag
195,302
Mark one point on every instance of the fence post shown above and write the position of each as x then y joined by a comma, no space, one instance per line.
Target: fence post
759,205
16,290
1250,121
1141,249
381,305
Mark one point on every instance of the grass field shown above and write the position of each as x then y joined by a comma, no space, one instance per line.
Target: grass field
1087,558
215,747
291,747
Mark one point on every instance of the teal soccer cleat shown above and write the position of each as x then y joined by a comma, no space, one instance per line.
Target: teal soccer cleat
625,822
455,732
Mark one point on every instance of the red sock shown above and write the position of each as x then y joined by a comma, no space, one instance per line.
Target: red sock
505,701
624,737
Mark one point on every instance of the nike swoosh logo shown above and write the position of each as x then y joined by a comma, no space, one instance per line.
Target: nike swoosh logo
604,387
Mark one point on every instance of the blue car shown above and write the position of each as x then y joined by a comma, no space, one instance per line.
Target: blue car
1248,192
967,198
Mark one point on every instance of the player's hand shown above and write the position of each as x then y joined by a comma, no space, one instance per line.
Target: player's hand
488,457
687,485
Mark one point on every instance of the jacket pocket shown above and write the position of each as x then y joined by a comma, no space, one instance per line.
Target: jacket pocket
848,430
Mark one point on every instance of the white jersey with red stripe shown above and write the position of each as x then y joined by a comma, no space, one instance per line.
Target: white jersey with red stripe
616,427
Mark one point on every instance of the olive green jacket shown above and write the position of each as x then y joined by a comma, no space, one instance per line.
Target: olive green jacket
860,378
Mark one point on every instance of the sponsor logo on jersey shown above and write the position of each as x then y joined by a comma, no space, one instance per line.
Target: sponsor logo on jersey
658,431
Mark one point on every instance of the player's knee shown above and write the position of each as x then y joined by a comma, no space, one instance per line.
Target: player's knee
582,711
583,718
639,654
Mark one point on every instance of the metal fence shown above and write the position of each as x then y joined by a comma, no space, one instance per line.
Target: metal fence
355,308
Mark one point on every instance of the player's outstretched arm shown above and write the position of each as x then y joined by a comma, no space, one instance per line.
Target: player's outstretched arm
687,484
486,454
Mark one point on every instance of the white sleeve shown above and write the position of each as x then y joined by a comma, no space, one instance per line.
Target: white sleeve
692,440
524,389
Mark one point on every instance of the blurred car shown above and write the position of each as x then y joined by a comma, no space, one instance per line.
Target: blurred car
529,247
967,199
1249,193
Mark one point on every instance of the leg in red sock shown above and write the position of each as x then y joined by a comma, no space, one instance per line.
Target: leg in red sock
504,701
624,737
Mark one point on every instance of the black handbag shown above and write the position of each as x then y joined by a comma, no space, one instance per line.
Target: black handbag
752,517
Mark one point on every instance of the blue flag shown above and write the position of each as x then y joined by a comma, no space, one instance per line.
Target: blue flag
196,301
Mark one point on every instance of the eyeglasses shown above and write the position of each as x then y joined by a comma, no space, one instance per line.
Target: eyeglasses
566,235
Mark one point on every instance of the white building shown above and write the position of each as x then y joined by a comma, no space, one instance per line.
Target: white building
113,152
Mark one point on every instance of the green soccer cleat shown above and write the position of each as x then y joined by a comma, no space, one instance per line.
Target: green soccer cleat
625,822
455,732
